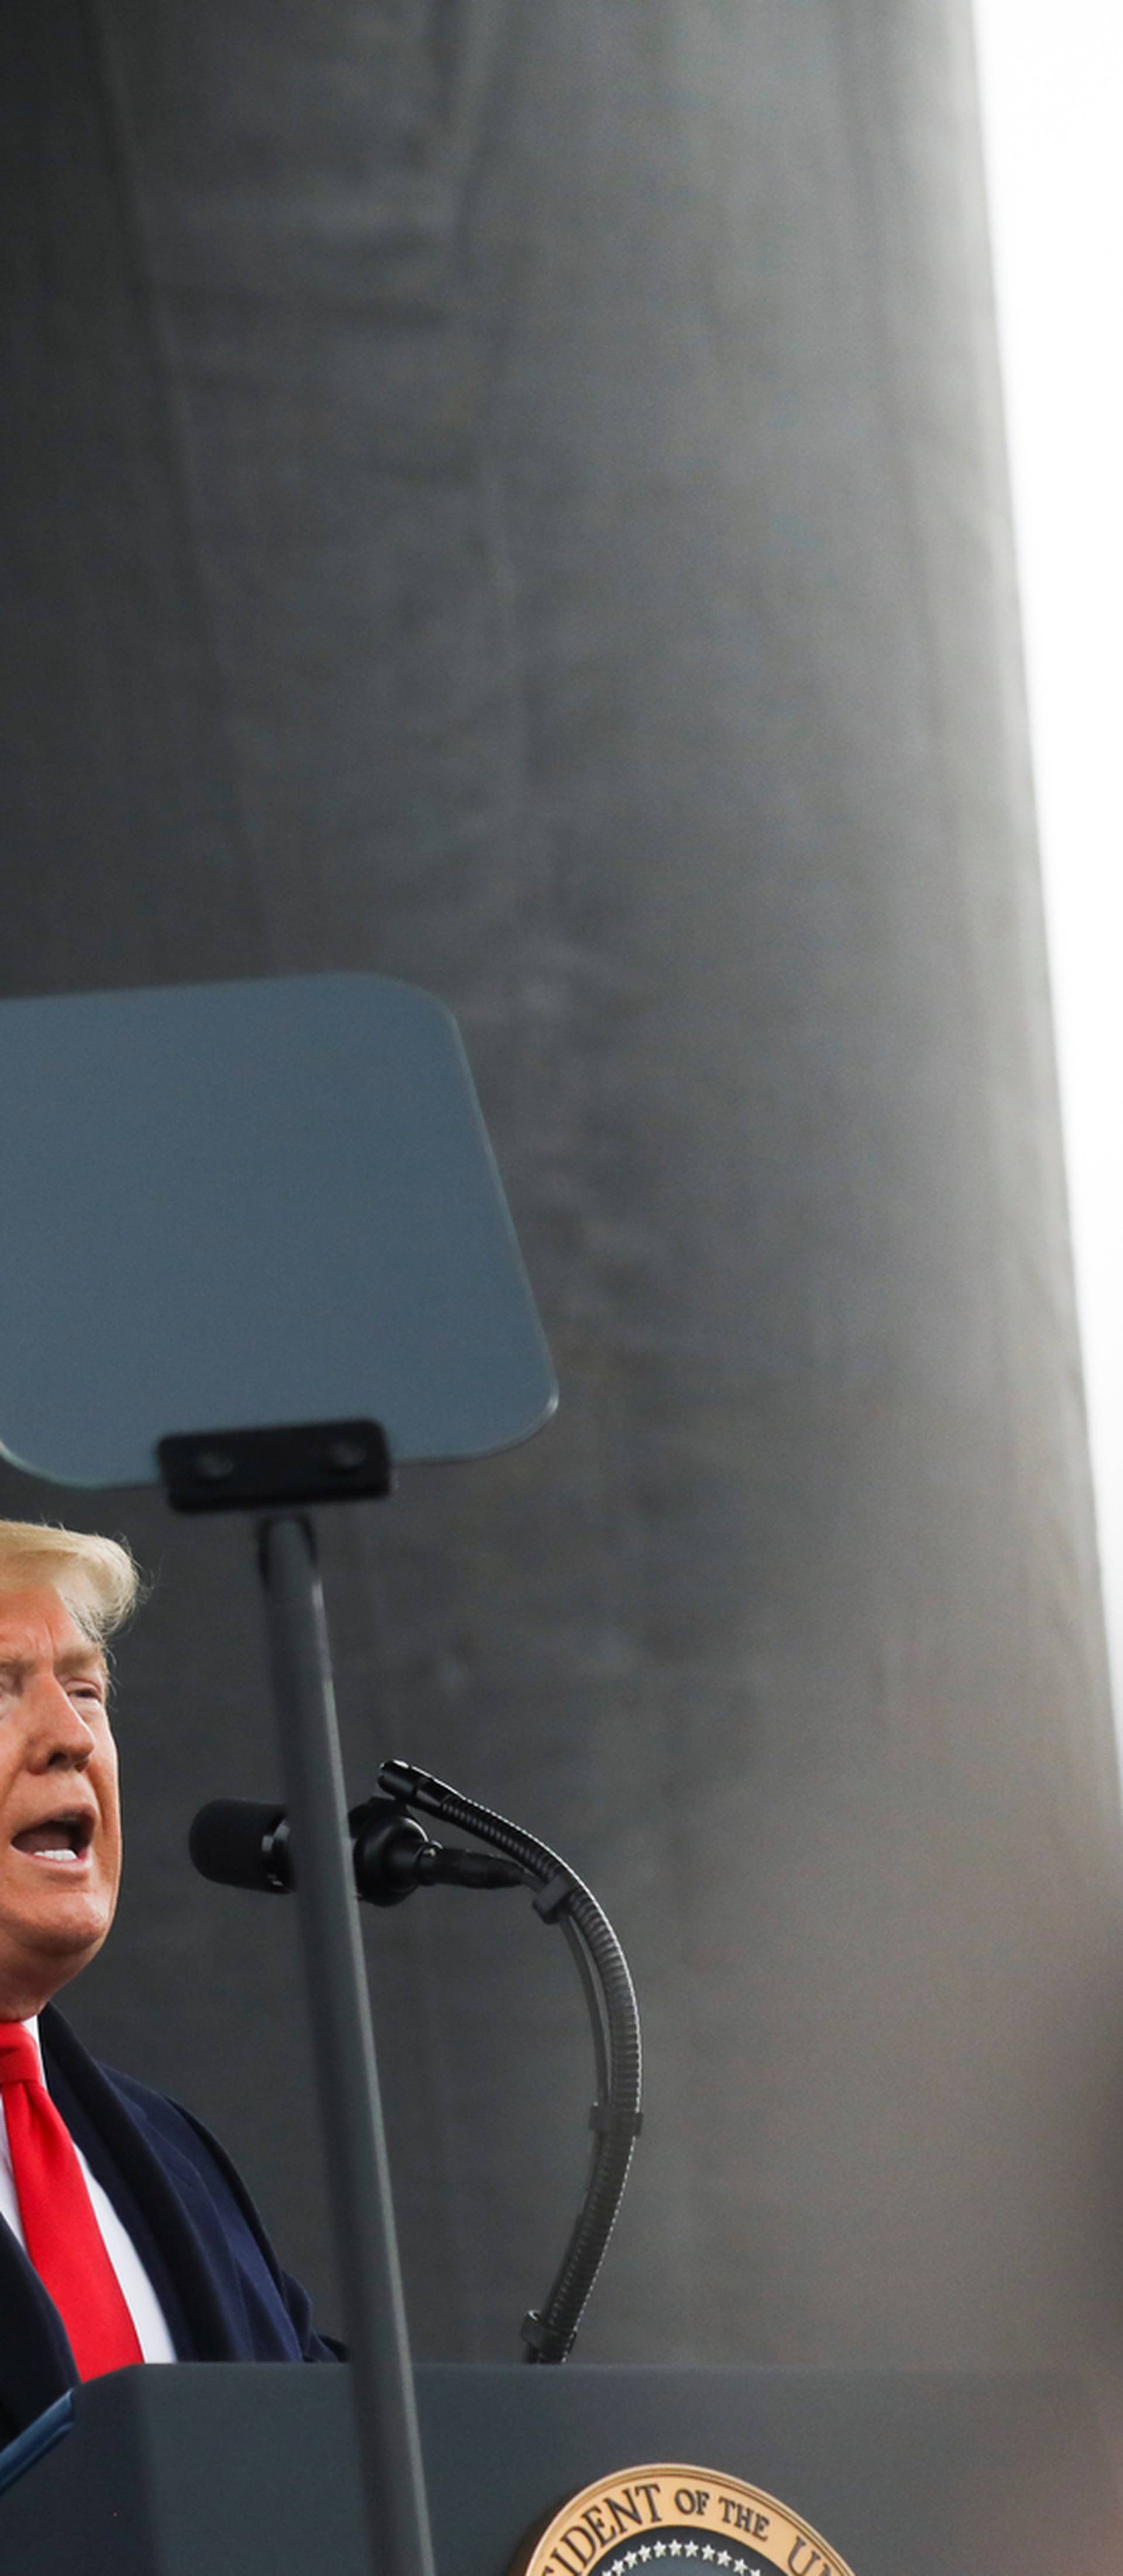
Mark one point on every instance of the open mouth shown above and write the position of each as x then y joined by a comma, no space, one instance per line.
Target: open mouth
65,1837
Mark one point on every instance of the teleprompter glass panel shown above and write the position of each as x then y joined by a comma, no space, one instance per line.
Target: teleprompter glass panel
252,1203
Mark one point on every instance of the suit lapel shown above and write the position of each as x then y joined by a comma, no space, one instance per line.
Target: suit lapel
144,2197
36,2362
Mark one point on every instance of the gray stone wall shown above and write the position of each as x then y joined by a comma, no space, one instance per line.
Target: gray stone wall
514,497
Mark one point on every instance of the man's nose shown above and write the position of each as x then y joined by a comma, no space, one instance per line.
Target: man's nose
60,1735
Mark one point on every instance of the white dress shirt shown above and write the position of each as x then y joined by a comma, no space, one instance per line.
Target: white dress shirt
136,2288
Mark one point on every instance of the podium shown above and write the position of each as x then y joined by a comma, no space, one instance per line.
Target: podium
250,2470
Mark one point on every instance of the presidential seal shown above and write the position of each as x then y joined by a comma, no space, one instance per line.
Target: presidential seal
677,2521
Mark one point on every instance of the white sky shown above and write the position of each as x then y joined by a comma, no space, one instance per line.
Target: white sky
1051,74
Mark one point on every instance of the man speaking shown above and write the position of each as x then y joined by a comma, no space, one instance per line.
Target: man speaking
127,2236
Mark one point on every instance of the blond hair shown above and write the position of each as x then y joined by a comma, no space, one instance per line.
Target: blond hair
95,1577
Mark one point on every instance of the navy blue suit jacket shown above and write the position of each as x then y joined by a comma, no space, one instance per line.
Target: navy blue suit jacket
192,2222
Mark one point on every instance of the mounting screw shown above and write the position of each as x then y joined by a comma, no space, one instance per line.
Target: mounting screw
347,1455
213,1465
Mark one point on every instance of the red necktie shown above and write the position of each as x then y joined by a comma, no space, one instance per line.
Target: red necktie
64,2241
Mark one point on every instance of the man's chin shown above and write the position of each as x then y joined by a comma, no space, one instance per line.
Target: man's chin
38,1959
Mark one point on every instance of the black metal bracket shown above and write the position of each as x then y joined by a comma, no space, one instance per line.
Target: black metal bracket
298,1462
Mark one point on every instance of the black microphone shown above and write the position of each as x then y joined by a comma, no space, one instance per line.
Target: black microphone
241,1844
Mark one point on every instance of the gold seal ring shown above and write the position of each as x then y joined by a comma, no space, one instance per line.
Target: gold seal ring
670,2519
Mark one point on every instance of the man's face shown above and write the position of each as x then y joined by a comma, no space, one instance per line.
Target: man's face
60,1817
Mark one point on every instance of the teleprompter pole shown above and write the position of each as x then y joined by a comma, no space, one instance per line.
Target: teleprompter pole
390,2463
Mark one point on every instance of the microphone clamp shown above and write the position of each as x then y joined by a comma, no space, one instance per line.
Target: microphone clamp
239,1843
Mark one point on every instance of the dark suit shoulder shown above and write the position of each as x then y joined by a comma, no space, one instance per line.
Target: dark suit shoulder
186,2138
191,2139
239,2301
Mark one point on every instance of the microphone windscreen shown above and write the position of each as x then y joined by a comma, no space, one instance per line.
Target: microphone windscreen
227,1842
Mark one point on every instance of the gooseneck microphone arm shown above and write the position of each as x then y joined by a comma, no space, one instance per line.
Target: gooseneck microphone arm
615,2119
242,1844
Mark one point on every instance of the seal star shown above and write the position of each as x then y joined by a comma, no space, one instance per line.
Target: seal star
707,2553
674,2549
